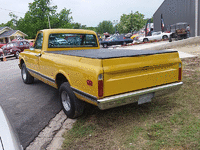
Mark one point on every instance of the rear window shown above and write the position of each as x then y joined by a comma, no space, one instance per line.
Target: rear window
63,40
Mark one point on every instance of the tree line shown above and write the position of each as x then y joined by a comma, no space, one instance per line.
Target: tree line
41,15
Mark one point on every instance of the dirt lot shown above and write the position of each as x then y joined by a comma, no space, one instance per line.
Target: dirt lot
190,49
170,122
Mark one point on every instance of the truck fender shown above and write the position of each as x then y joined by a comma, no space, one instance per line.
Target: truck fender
61,77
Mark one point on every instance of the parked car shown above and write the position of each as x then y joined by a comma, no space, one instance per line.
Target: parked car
57,41
1,44
155,36
116,40
134,36
1,54
8,136
13,49
128,35
178,31
104,78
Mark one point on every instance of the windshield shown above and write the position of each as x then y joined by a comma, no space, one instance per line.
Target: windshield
65,40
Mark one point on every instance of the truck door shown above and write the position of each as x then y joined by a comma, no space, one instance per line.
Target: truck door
32,62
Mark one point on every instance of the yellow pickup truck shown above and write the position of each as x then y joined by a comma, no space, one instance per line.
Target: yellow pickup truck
72,61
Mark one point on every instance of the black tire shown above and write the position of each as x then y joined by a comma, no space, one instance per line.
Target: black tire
176,37
105,45
170,39
165,37
1,59
17,55
72,106
145,40
26,77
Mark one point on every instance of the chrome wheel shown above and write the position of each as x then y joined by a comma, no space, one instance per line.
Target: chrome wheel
65,101
17,55
24,73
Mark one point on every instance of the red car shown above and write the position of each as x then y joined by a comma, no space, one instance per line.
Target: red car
2,45
1,52
14,48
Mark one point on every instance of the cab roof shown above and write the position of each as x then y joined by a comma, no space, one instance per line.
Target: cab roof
49,31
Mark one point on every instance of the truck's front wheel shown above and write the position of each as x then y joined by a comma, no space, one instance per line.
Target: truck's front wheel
72,106
26,77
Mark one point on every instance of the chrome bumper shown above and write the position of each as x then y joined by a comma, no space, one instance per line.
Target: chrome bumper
123,99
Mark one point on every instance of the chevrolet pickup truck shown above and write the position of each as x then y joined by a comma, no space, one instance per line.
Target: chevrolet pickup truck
72,61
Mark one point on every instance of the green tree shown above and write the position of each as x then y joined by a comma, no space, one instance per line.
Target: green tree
12,23
37,17
105,26
92,28
43,16
63,19
132,22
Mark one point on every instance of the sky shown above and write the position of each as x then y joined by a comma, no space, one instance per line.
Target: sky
86,12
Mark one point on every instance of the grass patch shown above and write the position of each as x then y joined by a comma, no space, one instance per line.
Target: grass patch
168,122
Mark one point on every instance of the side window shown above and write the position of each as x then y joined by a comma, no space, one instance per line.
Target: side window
91,40
21,43
38,42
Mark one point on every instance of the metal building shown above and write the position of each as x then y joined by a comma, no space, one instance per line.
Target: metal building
174,11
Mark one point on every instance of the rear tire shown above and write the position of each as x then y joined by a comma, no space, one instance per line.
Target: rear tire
165,37
26,77
105,45
145,40
72,106
170,39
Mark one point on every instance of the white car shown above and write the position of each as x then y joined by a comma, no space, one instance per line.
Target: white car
155,36
8,137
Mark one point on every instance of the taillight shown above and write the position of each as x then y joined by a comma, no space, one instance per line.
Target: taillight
100,85
180,72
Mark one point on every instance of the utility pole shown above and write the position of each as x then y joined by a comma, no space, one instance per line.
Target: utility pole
131,20
48,4
49,22
196,17
115,23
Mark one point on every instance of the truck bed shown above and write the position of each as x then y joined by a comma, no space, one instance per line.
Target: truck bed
110,53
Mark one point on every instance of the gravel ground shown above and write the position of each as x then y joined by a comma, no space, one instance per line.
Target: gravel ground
193,49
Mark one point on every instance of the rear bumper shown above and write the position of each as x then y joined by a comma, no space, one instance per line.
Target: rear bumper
123,99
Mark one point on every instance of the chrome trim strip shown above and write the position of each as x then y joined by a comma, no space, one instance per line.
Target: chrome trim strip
86,95
127,98
7,55
43,76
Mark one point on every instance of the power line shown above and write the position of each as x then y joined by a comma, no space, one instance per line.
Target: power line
12,10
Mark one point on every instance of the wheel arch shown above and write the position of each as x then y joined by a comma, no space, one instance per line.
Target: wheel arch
21,62
165,36
60,78
145,39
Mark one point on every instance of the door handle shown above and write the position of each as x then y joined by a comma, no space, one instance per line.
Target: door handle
39,55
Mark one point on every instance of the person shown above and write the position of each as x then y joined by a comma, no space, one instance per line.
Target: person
188,31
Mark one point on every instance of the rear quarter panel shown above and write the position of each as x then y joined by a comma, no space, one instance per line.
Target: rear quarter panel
77,70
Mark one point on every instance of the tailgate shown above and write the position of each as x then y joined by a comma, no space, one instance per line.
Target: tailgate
133,73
